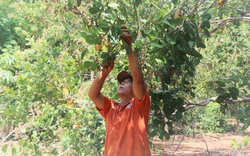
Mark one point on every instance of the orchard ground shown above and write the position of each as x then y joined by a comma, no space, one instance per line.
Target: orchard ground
218,144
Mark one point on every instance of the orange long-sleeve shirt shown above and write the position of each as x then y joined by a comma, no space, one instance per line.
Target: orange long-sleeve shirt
126,127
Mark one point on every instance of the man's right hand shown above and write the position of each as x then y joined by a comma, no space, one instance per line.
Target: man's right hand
108,66
96,86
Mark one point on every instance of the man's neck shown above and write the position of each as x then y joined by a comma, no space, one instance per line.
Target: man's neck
125,101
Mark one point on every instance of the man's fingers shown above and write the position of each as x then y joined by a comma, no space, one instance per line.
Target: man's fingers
124,27
126,31
124,36
107,63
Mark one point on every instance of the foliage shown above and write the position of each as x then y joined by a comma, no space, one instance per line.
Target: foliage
244,116
244,142
209,119
49,52
212,120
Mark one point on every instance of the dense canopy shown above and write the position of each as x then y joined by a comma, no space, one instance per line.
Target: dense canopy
193,53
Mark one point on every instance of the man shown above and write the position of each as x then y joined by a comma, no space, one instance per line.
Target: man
125,121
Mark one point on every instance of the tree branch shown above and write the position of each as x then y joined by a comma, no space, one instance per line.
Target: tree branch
197,6
226,20
208,8
213,99
239,11
23,126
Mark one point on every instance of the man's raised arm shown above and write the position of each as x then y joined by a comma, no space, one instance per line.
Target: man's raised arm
96,86
139,87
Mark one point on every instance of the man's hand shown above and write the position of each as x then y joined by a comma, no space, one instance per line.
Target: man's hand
95,89
108,66
126,37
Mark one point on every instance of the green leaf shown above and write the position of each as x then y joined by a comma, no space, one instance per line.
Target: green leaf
113,5
191,44
21,142
36,148
205,24
156,122
246,125
94,10
178,115
137,2
247,110
174,1
14,151
220,83
199,42
156,45
84,52
90,65
220,90
166,135
234,92
182,109
221,98
206,32
168,23
55,151
194,53
144,20
206,16
159,61
168,111
164,87
105,57
179,101
91,39
189,29
104,24
70,4
79,2
170,39
4,148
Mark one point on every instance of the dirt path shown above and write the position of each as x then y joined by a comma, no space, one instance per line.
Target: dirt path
200,145
203,145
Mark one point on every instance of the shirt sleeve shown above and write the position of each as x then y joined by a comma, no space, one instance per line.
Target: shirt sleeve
106,107
144,106
145,100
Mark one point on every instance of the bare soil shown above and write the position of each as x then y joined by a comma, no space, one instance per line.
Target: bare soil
220,144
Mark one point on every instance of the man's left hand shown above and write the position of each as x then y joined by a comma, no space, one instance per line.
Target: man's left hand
126,37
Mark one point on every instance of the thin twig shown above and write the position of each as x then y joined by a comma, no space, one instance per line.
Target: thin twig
226,20
66,151
110,27
197,6
191,125
213,99
208,8
205,144
240,11
14,132
178,144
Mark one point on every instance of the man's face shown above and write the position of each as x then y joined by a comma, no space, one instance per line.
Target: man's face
125,87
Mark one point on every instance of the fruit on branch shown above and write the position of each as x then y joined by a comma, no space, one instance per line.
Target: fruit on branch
178,14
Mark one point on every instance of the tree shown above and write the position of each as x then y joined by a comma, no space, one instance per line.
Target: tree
188,51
